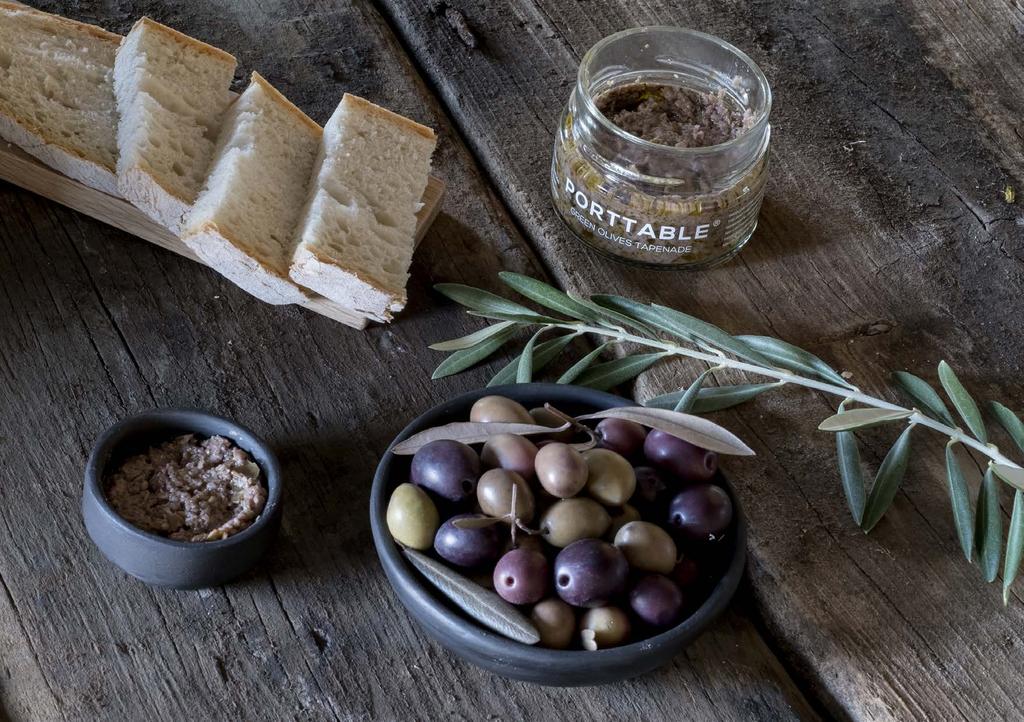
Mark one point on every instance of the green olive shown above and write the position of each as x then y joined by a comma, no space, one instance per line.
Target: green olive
647,546
610,478
570,520
544,417
555,622
621,516
561,470
412,517
509,451
494,494
603,627
499,408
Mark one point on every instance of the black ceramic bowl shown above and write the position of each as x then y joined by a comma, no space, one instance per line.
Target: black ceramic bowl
166,562
502,656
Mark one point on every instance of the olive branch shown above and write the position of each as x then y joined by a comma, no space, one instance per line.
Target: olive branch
670,333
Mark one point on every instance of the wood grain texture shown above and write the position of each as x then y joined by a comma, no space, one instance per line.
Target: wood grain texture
95,327
21,169
884,243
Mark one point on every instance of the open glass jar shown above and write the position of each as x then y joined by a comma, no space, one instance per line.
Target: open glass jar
653,204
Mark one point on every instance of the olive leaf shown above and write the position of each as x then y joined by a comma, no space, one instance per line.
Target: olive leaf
582,365
481,301
1010,422
862,419
712,334
989,530
698,431
1014,545
638,312
605,375
887,480
548,296
611,318
963,402
471,340
542,356
462,360
481,604
689,397
713,398
793,358
524,367
850,472
960,500
1012,475
470,432
531,317
921,391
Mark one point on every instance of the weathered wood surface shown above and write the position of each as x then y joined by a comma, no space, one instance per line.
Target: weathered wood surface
95,327
884,243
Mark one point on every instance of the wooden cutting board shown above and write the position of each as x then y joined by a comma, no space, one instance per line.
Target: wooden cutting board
21,169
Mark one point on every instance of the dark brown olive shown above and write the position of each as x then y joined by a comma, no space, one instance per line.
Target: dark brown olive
499,408
570,520
621,436
561,470
647,546
555,622
494,494
610,478
509,451
448,468
603,627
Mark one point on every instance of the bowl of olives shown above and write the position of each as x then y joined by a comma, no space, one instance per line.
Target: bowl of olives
552,547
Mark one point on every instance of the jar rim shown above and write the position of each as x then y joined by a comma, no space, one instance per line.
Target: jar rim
583,82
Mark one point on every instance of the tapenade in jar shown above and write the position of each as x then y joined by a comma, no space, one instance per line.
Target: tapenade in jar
661,156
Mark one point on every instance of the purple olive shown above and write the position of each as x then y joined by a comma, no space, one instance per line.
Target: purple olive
521,576
466,546
589,572
685,573
652,492
448,468
623,437
701,512
656,601
679,458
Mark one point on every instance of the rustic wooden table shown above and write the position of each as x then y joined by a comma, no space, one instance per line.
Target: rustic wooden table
884,243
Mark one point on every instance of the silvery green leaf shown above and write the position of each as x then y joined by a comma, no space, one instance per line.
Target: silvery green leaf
1010,422
614,319
689,397
605,375
469,432
1014,545
582,365
861,419
530,317
482,301
851,473
543,354
634,310
887,480
793,358
471,340
960,500
963,402
926,397
481,604
700,432
686,324
524,369
713,398
1012,475
988,534
548,296
462,360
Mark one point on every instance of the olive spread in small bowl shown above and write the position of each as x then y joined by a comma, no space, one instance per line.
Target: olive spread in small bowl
582,555
181,498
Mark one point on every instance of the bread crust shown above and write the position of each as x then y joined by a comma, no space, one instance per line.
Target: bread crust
319,279
365,106
67,23
278,97
186,40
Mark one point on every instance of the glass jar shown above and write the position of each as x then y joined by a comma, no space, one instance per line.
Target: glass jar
660,205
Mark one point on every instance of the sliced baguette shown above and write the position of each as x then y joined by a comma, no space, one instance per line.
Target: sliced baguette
243,224
356,241
56,96
172,92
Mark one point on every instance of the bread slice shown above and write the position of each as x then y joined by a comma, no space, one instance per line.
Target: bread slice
244,222
356,240
172,92
56,96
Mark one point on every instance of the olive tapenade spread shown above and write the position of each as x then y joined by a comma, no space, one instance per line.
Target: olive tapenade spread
673,116
189,489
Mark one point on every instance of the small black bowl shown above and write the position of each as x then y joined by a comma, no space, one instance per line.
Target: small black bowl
502,656
166,562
